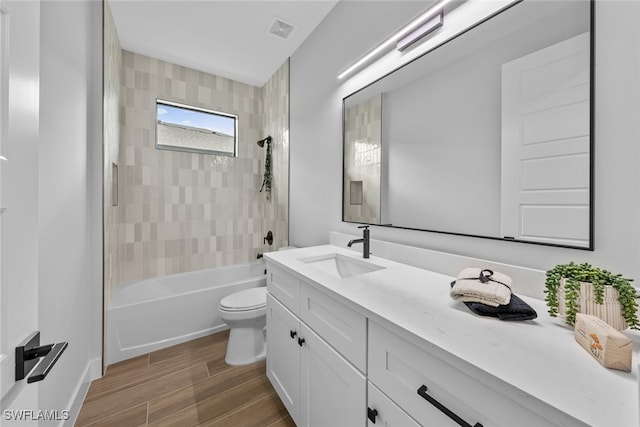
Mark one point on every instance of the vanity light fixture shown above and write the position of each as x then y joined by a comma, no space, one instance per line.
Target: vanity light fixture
425,29
404,33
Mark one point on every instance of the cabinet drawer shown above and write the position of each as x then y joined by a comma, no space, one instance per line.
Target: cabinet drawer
339,325
419,382
387,413
284,286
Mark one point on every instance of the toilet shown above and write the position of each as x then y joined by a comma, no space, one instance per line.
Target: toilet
245,312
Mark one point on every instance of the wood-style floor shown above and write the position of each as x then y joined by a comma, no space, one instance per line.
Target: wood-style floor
184,385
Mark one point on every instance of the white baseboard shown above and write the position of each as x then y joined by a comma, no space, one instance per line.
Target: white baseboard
92,371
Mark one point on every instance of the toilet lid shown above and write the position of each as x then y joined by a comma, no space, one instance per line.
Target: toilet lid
248,299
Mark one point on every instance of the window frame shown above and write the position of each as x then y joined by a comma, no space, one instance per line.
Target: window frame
161,101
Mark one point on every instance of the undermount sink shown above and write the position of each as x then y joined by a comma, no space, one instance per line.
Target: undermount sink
341,266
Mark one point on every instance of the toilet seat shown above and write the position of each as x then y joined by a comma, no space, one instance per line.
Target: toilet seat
249,299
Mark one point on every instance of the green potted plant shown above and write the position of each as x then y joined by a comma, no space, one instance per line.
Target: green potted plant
572,288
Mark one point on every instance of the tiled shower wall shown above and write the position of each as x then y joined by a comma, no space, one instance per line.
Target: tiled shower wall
111,130
184,211
362,148
276,124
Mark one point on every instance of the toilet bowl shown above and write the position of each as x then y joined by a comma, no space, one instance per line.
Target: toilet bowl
245,312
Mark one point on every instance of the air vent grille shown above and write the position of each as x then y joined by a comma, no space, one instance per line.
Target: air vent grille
281,28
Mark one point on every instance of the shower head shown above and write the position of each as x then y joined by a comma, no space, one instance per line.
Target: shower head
262,141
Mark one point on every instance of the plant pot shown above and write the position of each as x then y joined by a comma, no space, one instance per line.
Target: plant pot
609,311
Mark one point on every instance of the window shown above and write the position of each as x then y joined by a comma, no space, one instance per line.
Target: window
187,128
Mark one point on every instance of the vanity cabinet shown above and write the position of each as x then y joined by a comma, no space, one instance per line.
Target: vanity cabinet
334,362
317,384
435,392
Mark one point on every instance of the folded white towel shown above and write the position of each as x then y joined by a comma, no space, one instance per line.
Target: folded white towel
483,286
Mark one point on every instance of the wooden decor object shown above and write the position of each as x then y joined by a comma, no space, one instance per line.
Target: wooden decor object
608,346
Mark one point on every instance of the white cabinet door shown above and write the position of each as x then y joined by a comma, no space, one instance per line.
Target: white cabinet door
283,355
333,392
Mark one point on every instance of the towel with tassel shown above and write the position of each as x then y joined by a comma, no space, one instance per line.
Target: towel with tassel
482,286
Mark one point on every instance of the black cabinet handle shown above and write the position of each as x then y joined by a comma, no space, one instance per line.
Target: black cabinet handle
372,414
300,341
293,334
422,391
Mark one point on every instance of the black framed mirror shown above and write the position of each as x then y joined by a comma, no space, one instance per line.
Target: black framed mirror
488,135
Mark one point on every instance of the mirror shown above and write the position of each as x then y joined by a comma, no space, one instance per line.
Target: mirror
488,135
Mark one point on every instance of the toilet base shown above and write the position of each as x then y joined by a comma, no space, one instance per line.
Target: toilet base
246,346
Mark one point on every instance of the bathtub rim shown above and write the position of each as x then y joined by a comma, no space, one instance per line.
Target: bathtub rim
190,292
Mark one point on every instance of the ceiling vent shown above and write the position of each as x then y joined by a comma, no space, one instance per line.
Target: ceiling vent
281,28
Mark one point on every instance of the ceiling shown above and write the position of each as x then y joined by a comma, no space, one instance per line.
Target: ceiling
225,38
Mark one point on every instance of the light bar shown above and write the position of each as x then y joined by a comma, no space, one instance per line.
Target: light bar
425,29
424,17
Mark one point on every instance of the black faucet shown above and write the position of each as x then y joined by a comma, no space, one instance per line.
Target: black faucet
364,241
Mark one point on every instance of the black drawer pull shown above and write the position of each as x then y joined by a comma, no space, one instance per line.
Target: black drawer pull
372,414
300,341
293,334
422,391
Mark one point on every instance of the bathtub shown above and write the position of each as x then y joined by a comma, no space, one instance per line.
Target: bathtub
160,312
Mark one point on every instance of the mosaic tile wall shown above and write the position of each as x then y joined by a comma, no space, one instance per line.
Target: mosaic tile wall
185,211
276,124
111,129
363,136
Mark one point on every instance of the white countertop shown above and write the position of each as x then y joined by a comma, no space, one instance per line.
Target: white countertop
539,357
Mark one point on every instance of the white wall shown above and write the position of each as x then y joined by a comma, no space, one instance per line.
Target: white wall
316,153
70,196
316,110
19,143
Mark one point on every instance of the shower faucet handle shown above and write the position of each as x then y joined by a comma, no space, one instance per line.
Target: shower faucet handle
268,238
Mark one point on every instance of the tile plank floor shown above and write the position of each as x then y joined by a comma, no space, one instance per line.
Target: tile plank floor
185,385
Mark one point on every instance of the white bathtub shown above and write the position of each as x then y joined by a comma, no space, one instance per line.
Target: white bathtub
155,313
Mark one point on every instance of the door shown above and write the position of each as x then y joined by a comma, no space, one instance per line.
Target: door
332,392
19,121
546,144
283,355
